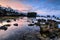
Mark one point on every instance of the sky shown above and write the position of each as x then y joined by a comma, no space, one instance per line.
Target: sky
42,7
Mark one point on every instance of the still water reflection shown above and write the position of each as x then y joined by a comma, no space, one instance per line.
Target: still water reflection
17,28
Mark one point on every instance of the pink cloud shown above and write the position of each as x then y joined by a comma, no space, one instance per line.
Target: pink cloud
15,5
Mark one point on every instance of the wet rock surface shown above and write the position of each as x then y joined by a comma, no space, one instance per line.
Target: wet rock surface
8,21
15,24
3,28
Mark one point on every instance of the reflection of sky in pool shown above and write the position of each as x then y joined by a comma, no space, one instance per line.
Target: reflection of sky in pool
16,30
58,25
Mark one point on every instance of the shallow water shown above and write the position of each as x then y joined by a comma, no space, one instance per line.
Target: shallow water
17,32
19,29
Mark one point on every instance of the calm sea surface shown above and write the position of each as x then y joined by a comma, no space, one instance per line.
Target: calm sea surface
18,29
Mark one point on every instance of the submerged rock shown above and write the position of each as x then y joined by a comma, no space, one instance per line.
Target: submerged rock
14,19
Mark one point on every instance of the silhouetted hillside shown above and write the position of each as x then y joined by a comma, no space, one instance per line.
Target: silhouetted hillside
4,11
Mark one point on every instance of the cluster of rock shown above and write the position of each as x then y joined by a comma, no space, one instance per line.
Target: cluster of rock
48,28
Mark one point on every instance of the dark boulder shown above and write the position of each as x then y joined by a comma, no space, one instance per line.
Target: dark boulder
3,28
16,24
30,24
8,21
31,14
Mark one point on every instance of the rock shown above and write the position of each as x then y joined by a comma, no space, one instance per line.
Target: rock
14,19
30,24
16,24
8,21
31,14
3,28
7,25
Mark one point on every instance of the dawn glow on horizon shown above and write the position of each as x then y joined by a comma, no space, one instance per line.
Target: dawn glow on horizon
42,7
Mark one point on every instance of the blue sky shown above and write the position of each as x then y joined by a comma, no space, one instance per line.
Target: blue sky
42,7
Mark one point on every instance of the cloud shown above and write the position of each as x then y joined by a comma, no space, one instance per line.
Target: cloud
15,5
48,12
54,1
43,7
